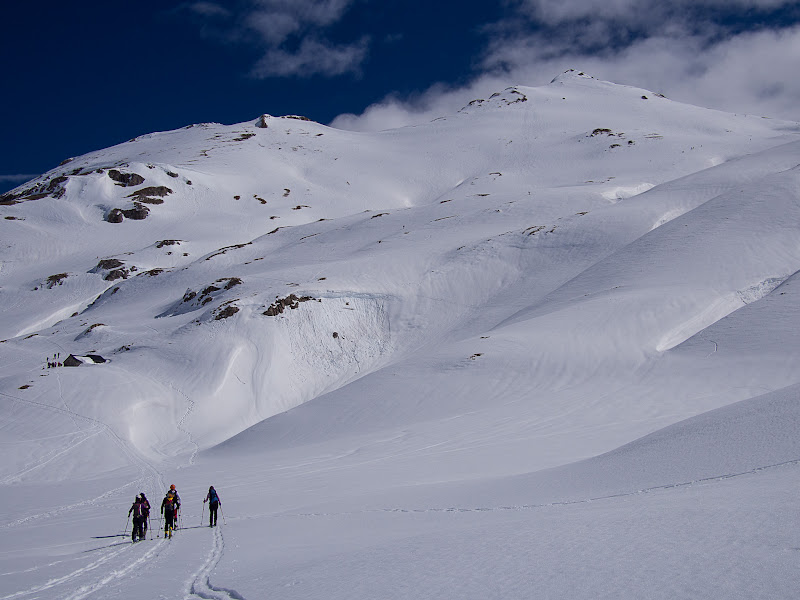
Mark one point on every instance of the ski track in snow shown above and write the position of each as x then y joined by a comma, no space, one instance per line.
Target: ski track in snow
145,468
52,455
86,590
32,569
66,578
64,402
113,575
668,486
200,586
147,471
69,507
110,576
182,428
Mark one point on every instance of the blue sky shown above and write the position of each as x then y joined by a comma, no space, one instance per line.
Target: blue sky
86,75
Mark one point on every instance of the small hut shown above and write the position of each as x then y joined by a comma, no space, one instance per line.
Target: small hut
90,359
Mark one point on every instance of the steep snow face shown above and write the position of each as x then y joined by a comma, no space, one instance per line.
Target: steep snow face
243,270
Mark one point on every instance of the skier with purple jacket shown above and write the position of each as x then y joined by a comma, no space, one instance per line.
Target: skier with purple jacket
137,510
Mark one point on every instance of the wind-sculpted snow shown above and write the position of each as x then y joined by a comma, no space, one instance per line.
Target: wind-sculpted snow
741,439
556,330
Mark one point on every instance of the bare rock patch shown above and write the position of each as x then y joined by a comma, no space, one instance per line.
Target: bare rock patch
57,279
139,212
292,301
225,312
125,179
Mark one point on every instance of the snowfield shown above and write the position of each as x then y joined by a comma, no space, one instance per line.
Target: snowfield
545,347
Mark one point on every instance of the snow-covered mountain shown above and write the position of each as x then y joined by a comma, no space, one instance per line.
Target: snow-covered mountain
543,347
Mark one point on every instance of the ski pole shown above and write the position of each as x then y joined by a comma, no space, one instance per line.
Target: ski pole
202,513
222,513
124,533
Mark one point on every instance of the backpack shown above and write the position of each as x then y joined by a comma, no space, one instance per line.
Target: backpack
137,510
170,505
212,496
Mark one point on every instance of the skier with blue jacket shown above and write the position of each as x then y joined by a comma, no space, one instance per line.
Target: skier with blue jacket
213,504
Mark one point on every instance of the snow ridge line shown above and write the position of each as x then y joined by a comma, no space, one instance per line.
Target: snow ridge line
200,584
715,478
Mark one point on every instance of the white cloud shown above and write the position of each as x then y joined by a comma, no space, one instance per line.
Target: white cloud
320,12
554,12
209,9
291,34
700,63
753,73
437,101
273,28
750,72
313,57
20,177
276,20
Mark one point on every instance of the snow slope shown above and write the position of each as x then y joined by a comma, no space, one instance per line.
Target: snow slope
543,347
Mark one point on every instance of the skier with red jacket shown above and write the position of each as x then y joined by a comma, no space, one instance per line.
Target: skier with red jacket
169,508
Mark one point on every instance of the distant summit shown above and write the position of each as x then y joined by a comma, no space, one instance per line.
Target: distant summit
570,74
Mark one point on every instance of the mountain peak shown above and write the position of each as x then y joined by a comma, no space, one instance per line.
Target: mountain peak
283,209
571,75
510,95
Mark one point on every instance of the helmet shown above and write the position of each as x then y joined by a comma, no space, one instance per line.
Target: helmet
172,487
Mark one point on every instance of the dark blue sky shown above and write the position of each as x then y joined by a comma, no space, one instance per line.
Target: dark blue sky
87,75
